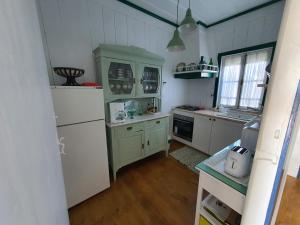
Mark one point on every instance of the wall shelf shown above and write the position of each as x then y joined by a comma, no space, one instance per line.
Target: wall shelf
195,74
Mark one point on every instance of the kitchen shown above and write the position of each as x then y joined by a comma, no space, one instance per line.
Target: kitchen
159,103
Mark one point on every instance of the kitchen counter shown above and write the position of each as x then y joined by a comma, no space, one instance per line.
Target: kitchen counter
237,117
220,115
239,186
137,119
227,190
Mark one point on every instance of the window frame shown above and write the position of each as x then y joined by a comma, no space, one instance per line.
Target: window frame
237,52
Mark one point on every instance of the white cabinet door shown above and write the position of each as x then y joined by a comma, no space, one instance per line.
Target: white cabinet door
202,133
223,133
85,163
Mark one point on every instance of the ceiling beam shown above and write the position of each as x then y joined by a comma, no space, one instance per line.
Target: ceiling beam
199,22
148,12
244,12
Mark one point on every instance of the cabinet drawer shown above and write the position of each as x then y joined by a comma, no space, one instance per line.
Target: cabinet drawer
129,129
157,122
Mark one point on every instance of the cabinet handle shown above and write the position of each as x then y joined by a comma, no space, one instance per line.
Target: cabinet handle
134,80
158,122
148,142
129,128
143,146
139,131
141,81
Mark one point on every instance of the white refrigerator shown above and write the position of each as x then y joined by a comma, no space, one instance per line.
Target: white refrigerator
81,132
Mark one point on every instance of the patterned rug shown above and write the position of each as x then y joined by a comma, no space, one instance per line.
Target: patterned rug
189,157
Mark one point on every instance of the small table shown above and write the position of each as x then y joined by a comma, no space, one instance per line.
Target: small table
222,187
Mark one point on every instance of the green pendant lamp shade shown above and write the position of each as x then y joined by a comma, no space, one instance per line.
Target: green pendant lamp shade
188,24
176,44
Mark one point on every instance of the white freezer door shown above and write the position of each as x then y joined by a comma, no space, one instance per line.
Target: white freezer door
76,105
85,163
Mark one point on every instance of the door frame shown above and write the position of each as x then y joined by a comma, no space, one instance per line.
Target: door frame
279,178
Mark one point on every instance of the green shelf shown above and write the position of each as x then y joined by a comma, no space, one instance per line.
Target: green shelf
197,74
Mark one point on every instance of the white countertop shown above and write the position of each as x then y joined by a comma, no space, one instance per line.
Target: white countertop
138,119
210,113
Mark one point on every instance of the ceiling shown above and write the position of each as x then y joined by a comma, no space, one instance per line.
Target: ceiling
206,11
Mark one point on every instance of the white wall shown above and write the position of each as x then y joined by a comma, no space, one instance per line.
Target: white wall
73,28
277,110
258,27
251,29
32,188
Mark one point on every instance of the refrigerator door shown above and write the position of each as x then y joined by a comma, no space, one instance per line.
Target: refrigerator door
84,160
77,104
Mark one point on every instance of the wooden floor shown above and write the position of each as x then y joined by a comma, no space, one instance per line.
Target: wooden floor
156,191
289,212
161,191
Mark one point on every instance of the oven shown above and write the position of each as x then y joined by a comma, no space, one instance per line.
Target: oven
183,127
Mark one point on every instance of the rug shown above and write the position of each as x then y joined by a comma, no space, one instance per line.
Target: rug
189,157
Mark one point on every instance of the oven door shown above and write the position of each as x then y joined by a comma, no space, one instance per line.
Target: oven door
183,127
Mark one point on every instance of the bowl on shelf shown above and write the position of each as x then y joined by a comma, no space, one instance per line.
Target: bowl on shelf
70,74
180,67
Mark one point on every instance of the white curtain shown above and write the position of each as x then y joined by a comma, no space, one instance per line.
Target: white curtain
230,77
255,73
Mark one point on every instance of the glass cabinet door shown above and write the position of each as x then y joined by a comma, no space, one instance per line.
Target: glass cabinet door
150,81
120,78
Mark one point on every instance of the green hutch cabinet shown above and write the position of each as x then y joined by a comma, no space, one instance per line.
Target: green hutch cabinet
127,73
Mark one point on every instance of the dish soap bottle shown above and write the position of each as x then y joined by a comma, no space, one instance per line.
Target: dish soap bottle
211,63
202,63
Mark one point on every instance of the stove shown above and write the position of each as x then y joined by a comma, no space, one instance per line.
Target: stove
188,107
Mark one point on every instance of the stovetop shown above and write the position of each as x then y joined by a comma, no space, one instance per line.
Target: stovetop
188,107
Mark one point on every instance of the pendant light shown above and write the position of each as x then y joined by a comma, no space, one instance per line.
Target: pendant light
188,24
176,44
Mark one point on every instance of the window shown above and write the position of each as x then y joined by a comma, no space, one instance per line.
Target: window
239,79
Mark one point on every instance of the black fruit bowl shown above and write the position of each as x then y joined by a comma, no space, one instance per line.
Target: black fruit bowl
70,74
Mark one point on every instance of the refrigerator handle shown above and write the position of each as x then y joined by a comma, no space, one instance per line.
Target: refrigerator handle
266,156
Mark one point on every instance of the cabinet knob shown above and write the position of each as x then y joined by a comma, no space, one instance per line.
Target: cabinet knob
129,128
209,118
157,122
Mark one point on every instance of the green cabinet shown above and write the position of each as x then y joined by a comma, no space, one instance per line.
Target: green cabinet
149,80
155,136
132,142
128,72
119,79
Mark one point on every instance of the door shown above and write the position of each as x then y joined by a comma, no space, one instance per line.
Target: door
224,133
130,147
67,99
202,133
118,77
149,81
84,160
156,137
